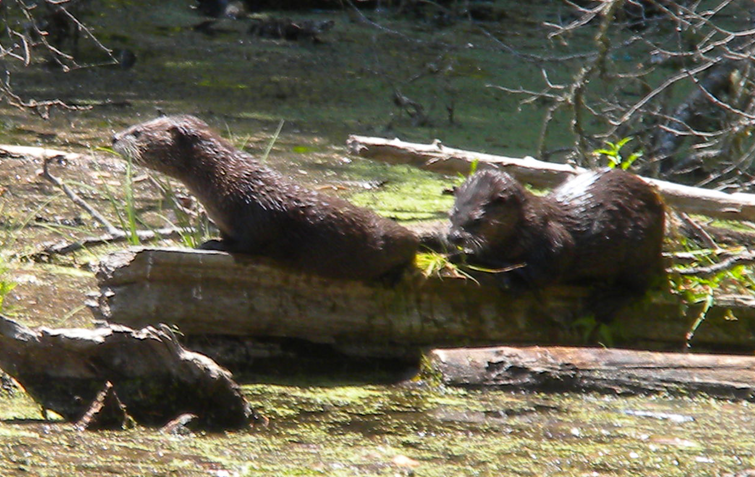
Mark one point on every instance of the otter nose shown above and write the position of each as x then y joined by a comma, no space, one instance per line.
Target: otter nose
114,139
455,237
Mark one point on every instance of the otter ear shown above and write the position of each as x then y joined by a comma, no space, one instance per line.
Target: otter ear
175,131
500,198
505,199
181,134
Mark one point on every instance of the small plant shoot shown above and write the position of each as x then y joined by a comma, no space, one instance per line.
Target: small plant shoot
615,158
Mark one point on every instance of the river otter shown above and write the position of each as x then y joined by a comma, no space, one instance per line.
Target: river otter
261,212
604,227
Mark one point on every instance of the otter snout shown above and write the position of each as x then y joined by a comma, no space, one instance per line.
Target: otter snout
455,237
463,241
459,238
118,143
122,145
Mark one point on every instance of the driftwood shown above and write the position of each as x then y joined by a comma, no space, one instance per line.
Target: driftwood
152,375
41,153
205,293
64,247
439,158
591,369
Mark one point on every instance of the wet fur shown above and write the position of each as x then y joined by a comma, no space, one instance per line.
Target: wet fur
259,211
603,227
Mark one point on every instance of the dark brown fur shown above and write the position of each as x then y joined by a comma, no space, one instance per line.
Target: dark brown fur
258,211
603,227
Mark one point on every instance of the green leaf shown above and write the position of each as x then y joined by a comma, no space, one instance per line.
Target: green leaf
621,143
473,166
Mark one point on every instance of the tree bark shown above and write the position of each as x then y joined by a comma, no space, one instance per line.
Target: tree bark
445,160
612,371
65,369
207,293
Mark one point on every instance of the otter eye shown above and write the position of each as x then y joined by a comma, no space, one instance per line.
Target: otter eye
136,134
475,223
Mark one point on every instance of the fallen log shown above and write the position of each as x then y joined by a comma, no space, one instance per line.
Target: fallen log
211,294
156,379
445,160
613,371
40,153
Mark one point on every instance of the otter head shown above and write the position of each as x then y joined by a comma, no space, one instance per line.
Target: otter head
163,144
487,211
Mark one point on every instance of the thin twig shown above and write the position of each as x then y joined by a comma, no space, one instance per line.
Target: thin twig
707,240
113,235
747,258
64,248
110,228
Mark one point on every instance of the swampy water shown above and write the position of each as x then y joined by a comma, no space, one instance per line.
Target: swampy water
245,86
410,429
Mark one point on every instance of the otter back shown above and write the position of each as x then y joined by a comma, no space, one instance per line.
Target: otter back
259,211
603,227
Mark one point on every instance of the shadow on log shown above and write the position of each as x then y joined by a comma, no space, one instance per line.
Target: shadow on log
214,294
610,371
65,370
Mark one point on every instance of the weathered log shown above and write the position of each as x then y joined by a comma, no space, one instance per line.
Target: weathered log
153,376
207,293
612,371
438,158
41,153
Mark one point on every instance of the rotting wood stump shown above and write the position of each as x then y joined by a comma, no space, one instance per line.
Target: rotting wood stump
156,379
215,294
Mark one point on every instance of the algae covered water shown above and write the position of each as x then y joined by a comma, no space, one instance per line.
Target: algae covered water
405,430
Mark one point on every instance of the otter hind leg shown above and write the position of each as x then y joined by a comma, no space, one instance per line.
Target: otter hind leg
217,245
225,244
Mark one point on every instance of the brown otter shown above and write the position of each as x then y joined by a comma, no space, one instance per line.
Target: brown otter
261,212
604,227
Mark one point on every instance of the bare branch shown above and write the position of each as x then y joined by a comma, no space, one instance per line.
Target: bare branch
111,229
678,76
47,28
746,258
113,235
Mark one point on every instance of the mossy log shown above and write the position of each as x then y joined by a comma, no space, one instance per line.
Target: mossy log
205,293
156,379
611,371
